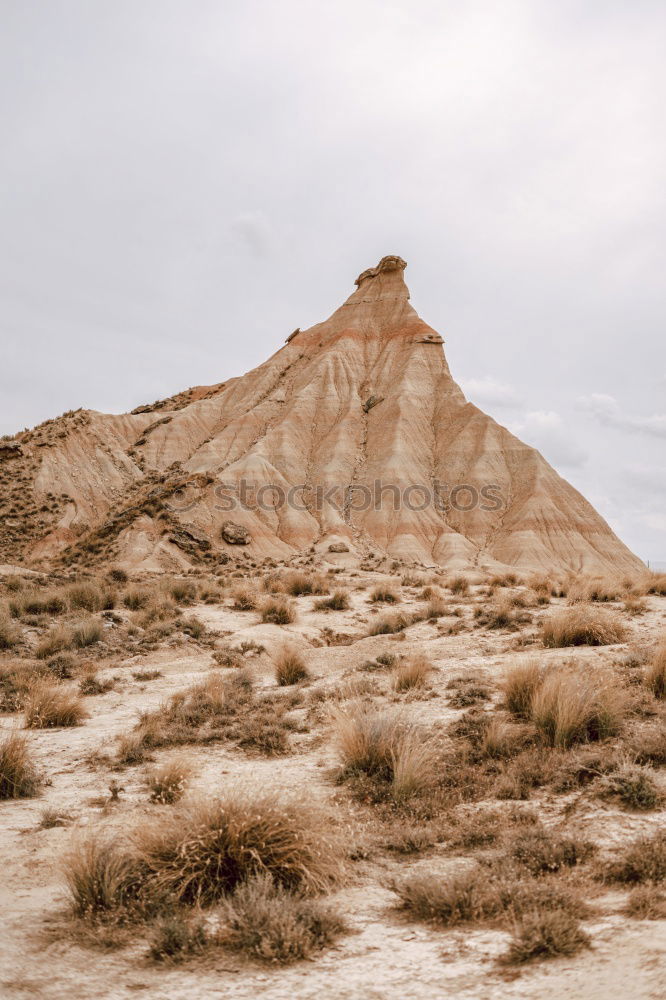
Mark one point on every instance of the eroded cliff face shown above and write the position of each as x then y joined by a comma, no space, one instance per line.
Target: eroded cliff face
357,416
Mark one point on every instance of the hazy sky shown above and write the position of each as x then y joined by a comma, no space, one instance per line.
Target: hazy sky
183,182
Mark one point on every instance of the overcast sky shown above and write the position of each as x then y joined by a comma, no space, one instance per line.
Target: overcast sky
183,182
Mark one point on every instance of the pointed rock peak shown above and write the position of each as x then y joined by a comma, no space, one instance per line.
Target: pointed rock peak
385,266
384,282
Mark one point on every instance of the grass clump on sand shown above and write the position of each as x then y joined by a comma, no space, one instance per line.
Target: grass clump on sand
218,708
290,666
18,775
545,933
338,601
50,705
642,860
390,624
270,924
567,703
655,674
582,625
384,749
277,611
168,782
411,673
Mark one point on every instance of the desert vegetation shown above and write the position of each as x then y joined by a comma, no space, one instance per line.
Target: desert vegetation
377,746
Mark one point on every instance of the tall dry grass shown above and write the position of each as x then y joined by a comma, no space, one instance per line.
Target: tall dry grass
582,625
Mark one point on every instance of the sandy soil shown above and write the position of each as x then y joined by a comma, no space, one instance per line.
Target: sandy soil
385,956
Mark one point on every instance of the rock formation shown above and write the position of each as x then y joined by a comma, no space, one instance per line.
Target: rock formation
354,433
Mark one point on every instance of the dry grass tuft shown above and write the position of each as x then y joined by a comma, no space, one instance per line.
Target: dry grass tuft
582,625
100,877
520,685
338,601
168,782
277,611
390,624
244,599
266,922
655,675
384,594
385,748
298,584
9,635
643,860
176,937
18,775
574,704
50,705
647,902
290,667
634,786
546,933
203,850
55,641
411,673
459,898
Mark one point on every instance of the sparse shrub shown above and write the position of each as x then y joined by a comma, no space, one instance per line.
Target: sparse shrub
100,877
9,635
290,667
176,937
521,683
298,584
55,641
181,591
50,705
18,775
85,597
167,783
541,852
581,625
384,595
61,667
647,902
655,674
193,627
577,704
86,633
118,575
435,608
449,900
385,748
202,850
643,860
277,611
390,624
546,933
466,691
338,601
458,585
135,598
411,673
634,786
268,923
634,605
90,684
244,599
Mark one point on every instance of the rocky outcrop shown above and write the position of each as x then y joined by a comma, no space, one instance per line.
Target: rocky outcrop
298,453
235,534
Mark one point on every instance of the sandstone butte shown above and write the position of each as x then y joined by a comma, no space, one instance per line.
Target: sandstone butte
362,398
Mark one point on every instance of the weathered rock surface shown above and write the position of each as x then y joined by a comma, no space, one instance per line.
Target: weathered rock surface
303,422
235,534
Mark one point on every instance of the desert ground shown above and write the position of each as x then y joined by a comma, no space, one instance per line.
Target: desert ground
442,785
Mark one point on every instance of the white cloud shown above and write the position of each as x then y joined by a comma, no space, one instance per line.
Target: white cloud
545,430
488,391
608,411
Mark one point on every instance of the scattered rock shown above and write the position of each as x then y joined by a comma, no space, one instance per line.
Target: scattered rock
338,547
235,534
